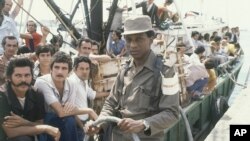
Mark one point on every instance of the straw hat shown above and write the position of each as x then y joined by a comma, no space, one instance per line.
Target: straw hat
137,24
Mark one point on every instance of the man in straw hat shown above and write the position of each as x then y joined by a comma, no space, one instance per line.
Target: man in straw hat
137,96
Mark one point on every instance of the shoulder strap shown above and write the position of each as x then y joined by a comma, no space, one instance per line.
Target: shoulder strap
158,66
122,74
121,82
156,87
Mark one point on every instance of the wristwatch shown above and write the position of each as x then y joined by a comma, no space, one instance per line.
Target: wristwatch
146,125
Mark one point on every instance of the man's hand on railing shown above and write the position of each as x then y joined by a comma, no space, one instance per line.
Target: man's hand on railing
91,130
129,125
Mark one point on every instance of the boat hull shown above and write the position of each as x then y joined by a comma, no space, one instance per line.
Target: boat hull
203,115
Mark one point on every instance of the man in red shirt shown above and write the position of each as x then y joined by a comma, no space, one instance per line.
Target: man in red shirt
32,38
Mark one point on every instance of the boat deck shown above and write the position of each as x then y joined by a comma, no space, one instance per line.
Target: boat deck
238,113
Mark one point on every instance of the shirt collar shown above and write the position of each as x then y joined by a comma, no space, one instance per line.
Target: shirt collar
49,80
149,62
76,78
7,19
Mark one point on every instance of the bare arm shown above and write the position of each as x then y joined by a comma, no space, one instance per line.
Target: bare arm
100,58
45,31
69,110
101,94
15,121
123,52
136,6
17,9
26,36
32,130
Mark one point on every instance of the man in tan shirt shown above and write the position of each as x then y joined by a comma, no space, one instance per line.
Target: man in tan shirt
137,97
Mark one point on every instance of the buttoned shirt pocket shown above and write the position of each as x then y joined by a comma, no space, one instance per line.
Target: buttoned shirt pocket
144,97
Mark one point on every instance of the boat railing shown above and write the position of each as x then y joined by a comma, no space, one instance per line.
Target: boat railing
105,119
226,67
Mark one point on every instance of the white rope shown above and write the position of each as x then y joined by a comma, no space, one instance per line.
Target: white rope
67,28
27,15
233,79
21,21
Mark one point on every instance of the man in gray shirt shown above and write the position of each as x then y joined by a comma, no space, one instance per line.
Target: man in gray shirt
137,96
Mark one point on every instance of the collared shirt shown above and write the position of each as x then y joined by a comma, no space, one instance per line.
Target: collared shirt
195,59
135,99
195,72
7,28
46,86
36,70
83,92
149,6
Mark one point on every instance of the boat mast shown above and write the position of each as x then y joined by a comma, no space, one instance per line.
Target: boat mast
96,17
86,10
63,19
74,10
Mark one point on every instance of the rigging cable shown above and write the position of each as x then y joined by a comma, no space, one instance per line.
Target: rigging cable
85,16
66,35
31,16
231,78
58,16
27,16
36,20
21,21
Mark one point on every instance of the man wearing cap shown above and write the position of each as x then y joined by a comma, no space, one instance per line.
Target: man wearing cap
136,96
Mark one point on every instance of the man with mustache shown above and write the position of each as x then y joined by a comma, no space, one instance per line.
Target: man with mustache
59,93
21,107
81,77
10,46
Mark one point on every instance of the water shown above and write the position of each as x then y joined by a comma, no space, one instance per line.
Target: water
245,44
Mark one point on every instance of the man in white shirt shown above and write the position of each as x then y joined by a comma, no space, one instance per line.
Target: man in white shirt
7,26
197,76
59,93
196,57
84,48
79,78
7,7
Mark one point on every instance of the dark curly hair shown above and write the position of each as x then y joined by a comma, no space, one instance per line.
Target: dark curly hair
61,57
18,62
80,59
44,49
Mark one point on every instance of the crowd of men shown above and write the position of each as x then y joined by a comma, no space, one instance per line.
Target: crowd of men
45,93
